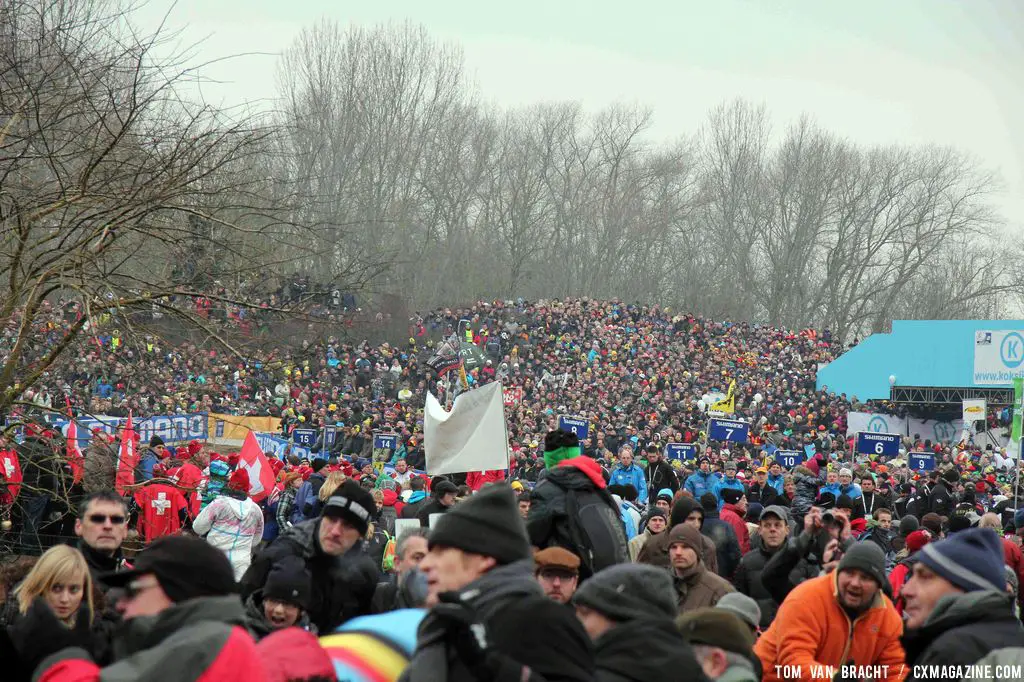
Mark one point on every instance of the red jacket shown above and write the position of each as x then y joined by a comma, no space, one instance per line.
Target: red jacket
160,510
734,517
478,479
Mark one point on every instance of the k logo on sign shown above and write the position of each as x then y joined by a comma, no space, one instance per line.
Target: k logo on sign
1011,351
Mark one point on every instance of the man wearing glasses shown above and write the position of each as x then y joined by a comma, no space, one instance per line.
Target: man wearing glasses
101,527
183,622
558,572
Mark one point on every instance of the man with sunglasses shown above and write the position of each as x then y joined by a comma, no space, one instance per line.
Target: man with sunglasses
101,527
183,622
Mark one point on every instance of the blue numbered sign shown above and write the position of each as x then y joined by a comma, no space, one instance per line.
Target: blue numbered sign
577,425
731,430
789,458
680,451
921,461
887,444
304,437
385,441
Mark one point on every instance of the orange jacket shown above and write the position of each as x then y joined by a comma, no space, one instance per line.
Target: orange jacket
811,631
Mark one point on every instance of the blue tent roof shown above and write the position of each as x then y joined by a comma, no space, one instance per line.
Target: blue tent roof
923,353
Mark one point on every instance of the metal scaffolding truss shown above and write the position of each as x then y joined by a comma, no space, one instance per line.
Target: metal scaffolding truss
950,396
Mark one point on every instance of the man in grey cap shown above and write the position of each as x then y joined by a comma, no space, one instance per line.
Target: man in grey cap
773,532
628,611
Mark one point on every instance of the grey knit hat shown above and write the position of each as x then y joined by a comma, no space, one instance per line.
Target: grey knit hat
625,592
867,557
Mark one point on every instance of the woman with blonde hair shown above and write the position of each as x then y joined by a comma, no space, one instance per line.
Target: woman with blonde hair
57,590
330,485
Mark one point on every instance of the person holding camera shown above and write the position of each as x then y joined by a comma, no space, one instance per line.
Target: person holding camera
825,538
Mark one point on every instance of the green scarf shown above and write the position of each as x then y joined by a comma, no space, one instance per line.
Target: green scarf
553,457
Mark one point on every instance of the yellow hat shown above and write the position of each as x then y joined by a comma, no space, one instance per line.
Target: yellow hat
516,485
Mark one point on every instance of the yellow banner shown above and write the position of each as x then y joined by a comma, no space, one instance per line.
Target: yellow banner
229,428
728,403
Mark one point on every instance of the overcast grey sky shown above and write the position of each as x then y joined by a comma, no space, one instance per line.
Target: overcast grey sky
948,72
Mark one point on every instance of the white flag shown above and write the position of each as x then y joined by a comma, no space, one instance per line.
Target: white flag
472,437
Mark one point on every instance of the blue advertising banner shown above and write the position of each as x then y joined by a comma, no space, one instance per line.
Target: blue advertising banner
921,461
680,451
385,441
789,458
732,430
173,429
273,445
887,444
577,425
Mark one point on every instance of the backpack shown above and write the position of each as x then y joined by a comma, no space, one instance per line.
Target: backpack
596,530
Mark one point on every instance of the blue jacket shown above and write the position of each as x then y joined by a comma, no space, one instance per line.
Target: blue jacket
627,521
144,469
307,494
699,483
735,484
832,488
633,476
777,482
852,490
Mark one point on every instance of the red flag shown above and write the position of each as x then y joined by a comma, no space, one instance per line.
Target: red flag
76,461
261,474
10,472
128,458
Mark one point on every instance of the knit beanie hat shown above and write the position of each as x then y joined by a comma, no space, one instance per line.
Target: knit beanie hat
289,583
560,445
351,503
867,557
625,592
687,535
958,522
155,441
659,513
743,606
665,494
951,475
731,495
239,481
488,523
719,628
682,509
908,524
972,560
918,539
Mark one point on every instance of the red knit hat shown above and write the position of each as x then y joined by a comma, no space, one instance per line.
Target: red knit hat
239,480
194,447
918,539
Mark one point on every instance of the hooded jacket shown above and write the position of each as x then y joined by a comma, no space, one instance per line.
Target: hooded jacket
699,483
811,630
257,621
341,587
209,633
727,545
655,550
234,526
963,628
547,522
535,638
748,579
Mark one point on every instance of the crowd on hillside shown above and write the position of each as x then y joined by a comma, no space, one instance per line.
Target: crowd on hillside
351,572
592,560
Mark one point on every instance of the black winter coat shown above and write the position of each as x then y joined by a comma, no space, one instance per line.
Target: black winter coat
645,651
942,500
798,560
727,545
764,496
748,580
341,587
434,506
962,629
660,476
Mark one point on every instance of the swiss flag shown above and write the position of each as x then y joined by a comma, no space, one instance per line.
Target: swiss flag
261,475
128,458
10,471
76,461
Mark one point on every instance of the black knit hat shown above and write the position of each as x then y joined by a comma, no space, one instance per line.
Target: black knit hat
155,441
488,523
867,557
731,495
908,524
351,503
289,583
186,567
951,475
625,592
